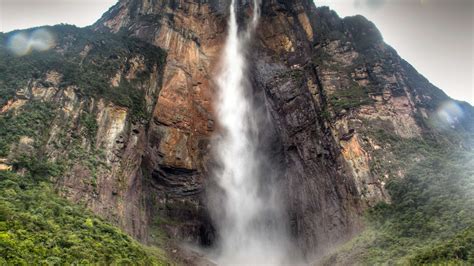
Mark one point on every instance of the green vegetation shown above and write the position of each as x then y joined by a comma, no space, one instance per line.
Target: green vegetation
457,250
31,122
38,227
322,59
39,169
356,29
364,33
89,122
432,210
349,98
94,160
295,75
85,59
430,218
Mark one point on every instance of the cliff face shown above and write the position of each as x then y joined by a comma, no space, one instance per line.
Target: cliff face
176,156
84,106
330,85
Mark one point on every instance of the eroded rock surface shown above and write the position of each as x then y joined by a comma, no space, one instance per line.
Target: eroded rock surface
329,86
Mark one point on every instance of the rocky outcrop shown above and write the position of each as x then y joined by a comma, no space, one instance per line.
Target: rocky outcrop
178,150
96,132
192,34
329,84
332,90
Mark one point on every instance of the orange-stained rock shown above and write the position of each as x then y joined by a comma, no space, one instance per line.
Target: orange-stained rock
5,167
300,59
352,151
12,104
53,77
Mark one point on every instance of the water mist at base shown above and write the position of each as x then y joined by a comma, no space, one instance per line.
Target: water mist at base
245,209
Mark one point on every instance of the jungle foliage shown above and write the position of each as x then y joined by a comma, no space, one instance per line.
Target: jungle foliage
38,227
430,219
86,59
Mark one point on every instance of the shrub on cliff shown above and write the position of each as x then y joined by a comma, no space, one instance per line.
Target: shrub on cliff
38,227
430,219
87,60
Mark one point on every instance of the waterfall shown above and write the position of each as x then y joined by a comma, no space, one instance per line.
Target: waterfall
245,212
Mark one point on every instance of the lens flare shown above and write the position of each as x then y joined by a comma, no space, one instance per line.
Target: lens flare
19,44
22,43
449,114
41,40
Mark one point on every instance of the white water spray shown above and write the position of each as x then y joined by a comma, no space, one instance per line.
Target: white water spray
247,218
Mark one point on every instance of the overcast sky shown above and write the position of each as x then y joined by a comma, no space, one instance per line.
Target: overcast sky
21,14
435,36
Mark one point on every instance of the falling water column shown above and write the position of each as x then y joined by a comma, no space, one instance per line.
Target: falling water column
248,233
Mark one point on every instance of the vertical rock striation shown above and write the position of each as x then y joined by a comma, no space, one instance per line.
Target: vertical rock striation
330,88
328,84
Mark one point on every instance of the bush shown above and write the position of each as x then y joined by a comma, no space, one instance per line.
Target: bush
31,122
38,227
90,73
38,168
430,218
457,250
431,215
89,122
350,98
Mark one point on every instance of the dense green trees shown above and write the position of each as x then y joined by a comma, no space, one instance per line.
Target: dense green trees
432,211
38,227
430,219
31,122
89,71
